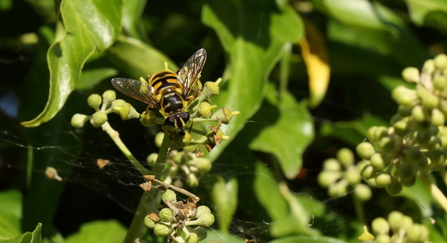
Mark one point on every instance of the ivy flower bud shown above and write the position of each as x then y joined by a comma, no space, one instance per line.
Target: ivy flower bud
166,215
380,226
429,66
203,164
118,103
345,156
418,113
128,112
404,96
440,83
211,88
169,196
159,139
192,238
401,127
383,179
411,75
99,118
149,222
353,176
224,115
148,118
201,210
365,150
161,230
440,61
152,159
182,141
437,118
326,178
430,101
362,192
79,120
206,110
205,220
109,96
394,188
94,101
201,232
331,165
192,180
395,219
368,172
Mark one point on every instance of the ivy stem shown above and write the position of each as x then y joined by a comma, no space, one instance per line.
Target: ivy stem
149,200
117,140
434,190
359,209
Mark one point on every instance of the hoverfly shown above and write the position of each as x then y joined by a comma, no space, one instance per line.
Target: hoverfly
167,91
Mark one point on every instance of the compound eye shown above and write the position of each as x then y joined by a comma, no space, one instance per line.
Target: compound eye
185,116
170,121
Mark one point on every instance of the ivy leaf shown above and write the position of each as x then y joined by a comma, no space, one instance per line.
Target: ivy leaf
74,43
111,231
289,136
137,59
225,200
430,12
253,36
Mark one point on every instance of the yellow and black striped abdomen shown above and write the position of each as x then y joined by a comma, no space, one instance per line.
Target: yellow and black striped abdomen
164,82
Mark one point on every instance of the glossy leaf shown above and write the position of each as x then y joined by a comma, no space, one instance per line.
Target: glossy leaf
28,237
75,42
282,212
137,59
253,36
289,136
420,11
132,23
217,236
374,26
99,231
10,214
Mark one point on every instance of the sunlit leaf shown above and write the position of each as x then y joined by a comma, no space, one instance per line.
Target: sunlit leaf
75,42
314,54
372,25
253,36
289,136
137,59
430,12
28,237
225,201
99,231
132,24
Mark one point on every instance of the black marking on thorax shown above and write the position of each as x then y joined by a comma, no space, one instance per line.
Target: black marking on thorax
172,103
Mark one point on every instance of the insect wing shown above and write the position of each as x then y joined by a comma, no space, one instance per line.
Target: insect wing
135,89
190,72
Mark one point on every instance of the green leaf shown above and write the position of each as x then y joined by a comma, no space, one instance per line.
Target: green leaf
217,236
28,237
307,239
75,42
91,77
288,138
99,231
431,12
10,214
137,59
287,213
373,26
253,37
132,23
225,200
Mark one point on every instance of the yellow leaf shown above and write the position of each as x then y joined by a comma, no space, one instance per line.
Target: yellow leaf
314,53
